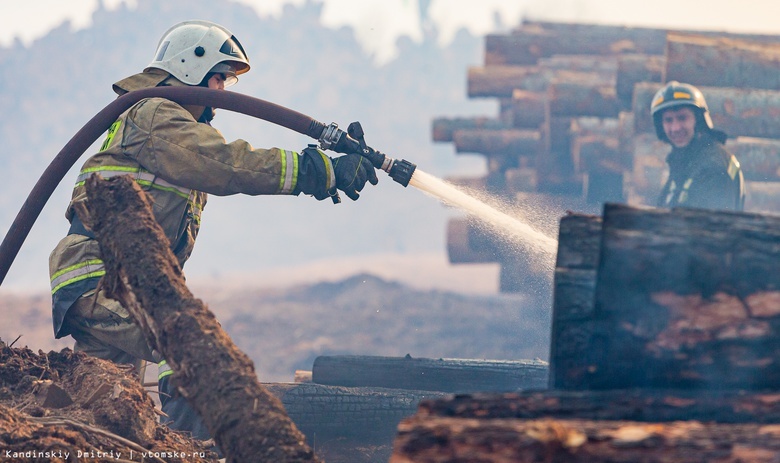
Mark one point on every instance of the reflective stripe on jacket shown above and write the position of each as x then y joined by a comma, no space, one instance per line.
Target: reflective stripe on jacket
177,161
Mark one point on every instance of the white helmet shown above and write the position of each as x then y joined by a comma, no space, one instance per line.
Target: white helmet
191,49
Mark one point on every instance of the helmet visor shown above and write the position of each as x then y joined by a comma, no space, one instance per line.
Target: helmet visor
227,70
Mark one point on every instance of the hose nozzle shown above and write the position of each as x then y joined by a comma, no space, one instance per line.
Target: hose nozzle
401,171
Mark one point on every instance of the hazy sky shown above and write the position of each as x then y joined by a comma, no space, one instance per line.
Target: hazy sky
380,22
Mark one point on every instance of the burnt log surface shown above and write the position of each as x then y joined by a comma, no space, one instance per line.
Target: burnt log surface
574,286
722,62
248,423
423,374
646,405
445,439
686,298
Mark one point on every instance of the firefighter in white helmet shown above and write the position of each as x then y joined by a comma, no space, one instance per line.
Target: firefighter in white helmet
702,173
178,158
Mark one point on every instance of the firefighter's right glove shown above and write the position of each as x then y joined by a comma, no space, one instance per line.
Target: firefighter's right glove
352,173
316,175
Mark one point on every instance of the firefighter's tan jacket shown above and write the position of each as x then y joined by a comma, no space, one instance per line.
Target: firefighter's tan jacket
178,161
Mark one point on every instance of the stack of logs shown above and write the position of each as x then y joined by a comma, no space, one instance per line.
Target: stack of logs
574,120
664,348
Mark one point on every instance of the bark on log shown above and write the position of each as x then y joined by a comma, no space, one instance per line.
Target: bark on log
445,375
758,157
581,63
597,153
579,246
219,381
722,62
740,112
504,142
685,298
443,127
501,81
632,69
529,44
528,108
582,98
540,39
439,440
647,405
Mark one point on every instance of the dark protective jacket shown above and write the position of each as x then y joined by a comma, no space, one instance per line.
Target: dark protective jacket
175,159
703,175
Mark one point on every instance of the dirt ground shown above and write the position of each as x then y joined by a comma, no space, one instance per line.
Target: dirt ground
67,407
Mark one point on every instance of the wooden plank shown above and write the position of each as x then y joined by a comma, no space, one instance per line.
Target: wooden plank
722,62
685,298
445,375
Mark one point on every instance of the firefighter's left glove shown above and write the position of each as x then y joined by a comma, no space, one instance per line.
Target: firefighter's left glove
352,173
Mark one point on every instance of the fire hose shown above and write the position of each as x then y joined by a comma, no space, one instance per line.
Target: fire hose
327,135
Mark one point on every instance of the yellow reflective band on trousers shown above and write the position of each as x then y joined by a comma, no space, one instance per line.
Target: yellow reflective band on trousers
77,272
163,370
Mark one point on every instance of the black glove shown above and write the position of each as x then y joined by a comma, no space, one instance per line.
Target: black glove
316,175
352,173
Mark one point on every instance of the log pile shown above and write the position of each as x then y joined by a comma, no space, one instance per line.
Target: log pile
663,349
553,80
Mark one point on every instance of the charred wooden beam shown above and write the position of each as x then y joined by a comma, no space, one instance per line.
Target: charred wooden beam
685,298
632,69
445,439
647,405
422,374
504,142
443,127
722,62
740,112
247,422
579,246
